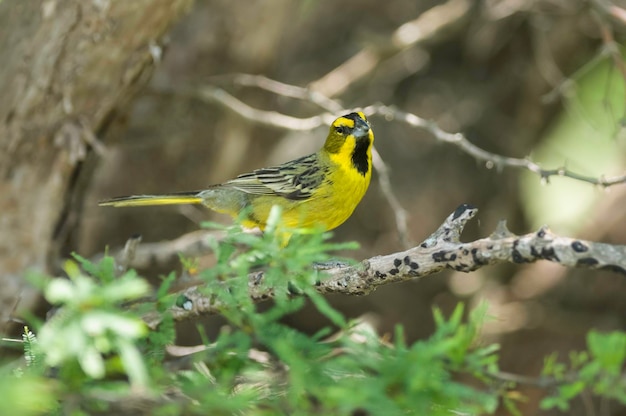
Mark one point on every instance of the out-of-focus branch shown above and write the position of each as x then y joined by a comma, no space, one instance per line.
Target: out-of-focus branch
282,89
442,250
609,9
606,14
610,46
492,160
140,256
427,27
399,213
268,118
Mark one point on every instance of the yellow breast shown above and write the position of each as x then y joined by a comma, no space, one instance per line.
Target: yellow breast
347,190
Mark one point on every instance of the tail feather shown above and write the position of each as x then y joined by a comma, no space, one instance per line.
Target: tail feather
149,200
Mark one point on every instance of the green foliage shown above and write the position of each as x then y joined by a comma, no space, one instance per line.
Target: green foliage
24,393
599,370
32,352
582,138
96,351
90,327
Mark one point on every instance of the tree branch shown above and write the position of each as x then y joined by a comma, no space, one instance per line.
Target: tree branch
437,22
140,256
282,89
492,160
442,250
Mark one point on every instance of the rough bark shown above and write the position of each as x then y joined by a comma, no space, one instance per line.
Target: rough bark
68,67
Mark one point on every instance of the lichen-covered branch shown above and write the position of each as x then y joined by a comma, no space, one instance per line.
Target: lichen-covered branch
442,250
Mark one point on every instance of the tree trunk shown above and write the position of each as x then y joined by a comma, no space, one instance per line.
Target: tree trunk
68,67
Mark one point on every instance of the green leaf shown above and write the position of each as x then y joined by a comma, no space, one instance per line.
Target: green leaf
133,362
104,270
554,401
72,269
511,406
327,310
127,287
32,350
28,395
608,349
101,322
166,284
92,362
569,391
60,291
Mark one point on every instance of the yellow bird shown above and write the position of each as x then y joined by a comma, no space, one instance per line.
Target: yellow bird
318,190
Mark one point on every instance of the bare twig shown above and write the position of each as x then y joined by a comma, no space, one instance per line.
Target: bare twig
11,317
491,159
267,118
604,13
427,27
541,382
195,243
609,9
618,13
127,255
442,250
384,181
610,46
284,90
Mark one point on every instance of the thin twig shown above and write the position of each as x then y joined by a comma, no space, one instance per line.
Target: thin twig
610,46
271,118
284,90
193,244
267,118
127,255
429,26
541,382
384,181
491,159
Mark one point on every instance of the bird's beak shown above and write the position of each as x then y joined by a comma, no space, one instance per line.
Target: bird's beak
361,128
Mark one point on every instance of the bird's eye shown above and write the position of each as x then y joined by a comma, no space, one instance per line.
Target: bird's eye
342,129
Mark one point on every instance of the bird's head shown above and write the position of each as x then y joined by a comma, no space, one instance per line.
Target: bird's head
347,130
351,135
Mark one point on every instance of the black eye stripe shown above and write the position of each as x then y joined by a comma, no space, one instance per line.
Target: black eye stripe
342,129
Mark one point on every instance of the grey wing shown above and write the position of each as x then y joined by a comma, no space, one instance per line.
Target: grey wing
294,180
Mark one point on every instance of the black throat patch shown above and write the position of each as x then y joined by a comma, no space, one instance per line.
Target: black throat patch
359,155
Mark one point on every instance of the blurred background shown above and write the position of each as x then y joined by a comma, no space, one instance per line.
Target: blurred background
540,79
